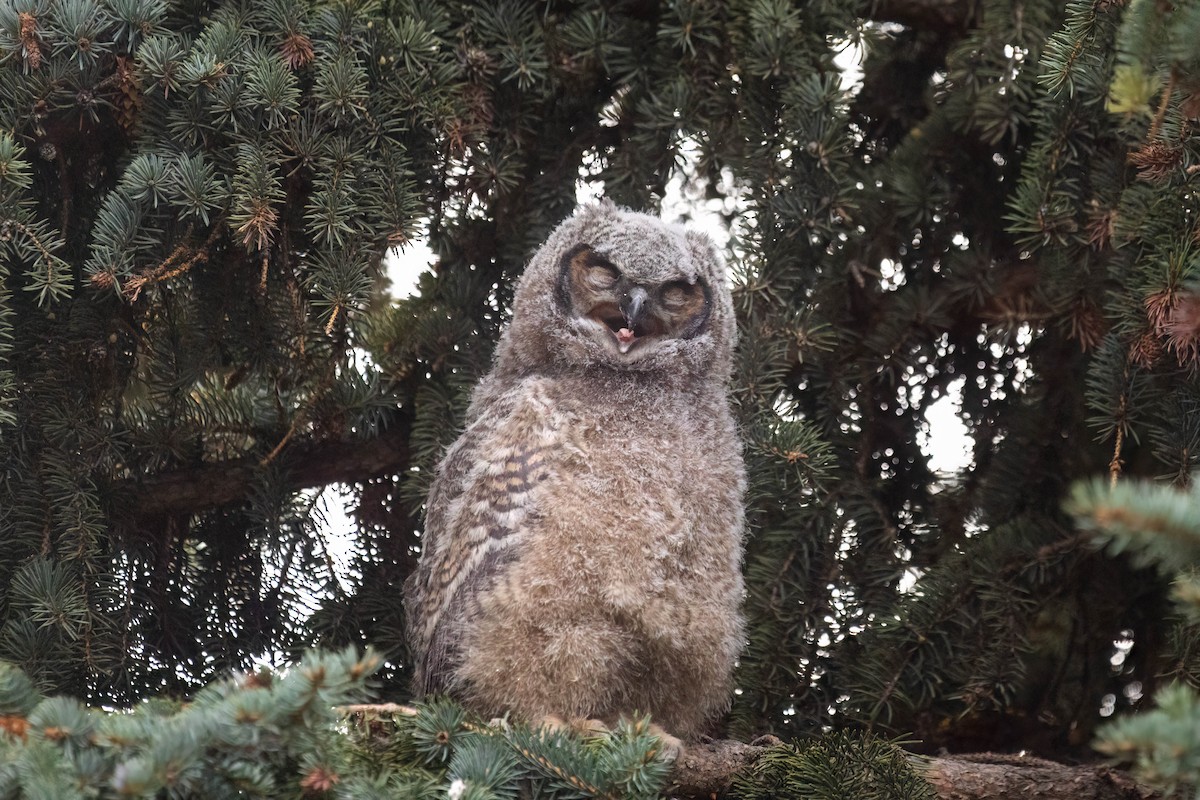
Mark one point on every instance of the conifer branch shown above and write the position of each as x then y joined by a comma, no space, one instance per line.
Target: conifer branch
1114,466
377,709
1163,104
302,414
43,250
181,259
205,486
707,770
277,449
990,776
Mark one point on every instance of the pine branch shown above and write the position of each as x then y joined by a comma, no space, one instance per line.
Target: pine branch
206,486
991,776
708,770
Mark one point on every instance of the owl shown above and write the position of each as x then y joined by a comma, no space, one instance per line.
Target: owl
583,542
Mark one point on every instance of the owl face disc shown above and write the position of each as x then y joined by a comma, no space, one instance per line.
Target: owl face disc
626,313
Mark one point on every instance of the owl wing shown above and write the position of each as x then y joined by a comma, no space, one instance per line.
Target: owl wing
484,493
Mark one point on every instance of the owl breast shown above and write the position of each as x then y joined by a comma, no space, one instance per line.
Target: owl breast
623,585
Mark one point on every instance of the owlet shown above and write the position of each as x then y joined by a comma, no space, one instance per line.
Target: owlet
583,537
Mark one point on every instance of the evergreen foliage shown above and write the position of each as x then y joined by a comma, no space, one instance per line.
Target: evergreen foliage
832,767
260,735
277,736
1160,526
264,735
196,198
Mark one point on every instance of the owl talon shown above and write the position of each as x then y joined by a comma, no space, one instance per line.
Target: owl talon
581,726
672,746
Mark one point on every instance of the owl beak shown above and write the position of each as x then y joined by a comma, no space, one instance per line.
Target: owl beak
632,306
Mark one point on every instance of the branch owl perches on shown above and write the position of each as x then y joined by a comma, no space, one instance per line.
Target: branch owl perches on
582,554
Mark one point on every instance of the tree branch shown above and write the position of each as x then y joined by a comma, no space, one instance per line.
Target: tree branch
194,489
707,770
995,776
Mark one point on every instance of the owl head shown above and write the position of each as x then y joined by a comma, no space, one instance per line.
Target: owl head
613,289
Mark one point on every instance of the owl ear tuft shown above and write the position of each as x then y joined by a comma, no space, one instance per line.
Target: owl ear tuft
603,208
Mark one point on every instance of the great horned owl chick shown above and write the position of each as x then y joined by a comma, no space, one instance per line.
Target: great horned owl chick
583,536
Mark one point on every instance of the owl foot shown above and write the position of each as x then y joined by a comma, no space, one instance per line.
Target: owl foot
577,725
672,747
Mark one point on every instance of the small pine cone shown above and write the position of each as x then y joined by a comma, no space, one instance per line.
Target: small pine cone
1158,310
258,231
1087,324
129,95
1100,227
477,64
297,50
1146,350
261,679
1183,328
319,780
29,39
1156,161
104,281
479,101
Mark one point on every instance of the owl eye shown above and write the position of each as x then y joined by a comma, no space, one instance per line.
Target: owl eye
602,276
677,294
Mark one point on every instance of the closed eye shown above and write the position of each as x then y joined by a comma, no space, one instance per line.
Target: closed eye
602,276
677,294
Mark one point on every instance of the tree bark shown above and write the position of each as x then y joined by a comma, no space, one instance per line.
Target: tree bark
707,770
997,776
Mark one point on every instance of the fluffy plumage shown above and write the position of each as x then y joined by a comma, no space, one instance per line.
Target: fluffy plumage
583,536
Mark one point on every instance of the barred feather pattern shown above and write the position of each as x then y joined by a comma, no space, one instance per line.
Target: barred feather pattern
488,500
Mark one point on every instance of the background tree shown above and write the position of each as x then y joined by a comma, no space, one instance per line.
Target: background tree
196,198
